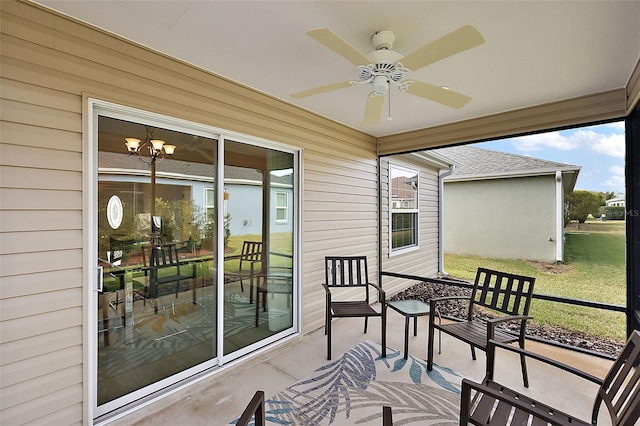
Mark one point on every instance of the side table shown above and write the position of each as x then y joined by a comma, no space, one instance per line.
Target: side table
410,308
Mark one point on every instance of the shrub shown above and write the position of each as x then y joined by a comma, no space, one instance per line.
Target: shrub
613,212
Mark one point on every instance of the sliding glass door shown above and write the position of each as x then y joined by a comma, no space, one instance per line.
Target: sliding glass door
194,247
157,250
258,244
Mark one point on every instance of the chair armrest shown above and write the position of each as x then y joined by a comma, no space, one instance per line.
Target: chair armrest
381,293
507,396
493,344
326,289
493,322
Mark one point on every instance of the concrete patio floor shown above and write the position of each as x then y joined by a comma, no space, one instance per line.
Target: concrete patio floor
218,399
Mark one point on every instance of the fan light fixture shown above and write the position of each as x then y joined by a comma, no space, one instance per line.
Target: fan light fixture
157,148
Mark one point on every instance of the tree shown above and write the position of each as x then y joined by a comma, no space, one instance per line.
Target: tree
580,204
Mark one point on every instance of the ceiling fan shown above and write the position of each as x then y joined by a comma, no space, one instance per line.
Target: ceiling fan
384,67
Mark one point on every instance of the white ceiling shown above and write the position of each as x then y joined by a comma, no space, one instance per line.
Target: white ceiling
534,52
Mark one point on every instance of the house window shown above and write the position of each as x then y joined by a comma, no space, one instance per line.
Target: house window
209,203
403,190
282,207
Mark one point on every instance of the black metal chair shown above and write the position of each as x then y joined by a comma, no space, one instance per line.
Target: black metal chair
495,404
501,292
344,273
253,410
387,416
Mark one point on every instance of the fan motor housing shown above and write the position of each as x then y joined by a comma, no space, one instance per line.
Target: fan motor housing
383,39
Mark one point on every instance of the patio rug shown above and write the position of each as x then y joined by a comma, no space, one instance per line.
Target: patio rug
352,389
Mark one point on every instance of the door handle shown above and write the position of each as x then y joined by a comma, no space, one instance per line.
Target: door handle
100,281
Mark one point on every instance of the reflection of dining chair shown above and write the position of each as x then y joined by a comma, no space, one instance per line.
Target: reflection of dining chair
350,274
163,266
271,283
250,263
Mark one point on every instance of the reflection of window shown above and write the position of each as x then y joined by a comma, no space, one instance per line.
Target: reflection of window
209,203
403,189
282,207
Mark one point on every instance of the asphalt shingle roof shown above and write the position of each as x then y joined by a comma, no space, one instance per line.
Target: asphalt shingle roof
470,161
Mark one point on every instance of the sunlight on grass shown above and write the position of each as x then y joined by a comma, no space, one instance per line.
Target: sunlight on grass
594,270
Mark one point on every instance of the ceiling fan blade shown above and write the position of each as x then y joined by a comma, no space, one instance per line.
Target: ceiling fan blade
373,110
438,94
338,45
322,89
457,41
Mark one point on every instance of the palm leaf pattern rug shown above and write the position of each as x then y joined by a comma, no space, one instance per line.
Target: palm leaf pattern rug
352,390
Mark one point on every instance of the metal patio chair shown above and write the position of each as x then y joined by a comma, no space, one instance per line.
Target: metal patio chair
501,292
351,273
490,403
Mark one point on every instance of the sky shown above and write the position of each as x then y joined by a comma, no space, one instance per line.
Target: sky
598,149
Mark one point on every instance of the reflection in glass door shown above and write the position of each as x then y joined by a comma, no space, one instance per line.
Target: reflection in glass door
259,291
156,313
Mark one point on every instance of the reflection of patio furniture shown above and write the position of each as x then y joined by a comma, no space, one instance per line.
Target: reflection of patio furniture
410,308
507,294
120,246
251,255
349,274
162,266
271,283
494,404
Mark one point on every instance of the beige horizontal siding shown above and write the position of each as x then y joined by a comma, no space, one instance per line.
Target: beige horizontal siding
36,262
31,136
424,260
39,220
49,63
51,281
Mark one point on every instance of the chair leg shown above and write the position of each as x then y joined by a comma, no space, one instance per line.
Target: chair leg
328,329
473,352
384,334
523,365
366,320
430,343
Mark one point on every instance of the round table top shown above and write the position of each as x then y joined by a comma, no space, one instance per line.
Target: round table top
409,307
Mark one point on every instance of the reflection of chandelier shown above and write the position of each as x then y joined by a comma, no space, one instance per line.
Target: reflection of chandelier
156,147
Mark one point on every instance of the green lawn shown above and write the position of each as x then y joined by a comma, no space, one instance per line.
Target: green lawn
594,270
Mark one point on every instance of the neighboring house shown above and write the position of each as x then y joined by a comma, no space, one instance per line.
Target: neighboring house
505,205
615,202
178,180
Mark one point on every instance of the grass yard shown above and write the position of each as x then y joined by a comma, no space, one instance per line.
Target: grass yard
594,270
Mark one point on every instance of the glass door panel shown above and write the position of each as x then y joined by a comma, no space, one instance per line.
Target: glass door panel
258,244
156,245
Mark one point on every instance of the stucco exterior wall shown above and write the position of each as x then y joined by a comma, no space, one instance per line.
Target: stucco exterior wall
501,218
